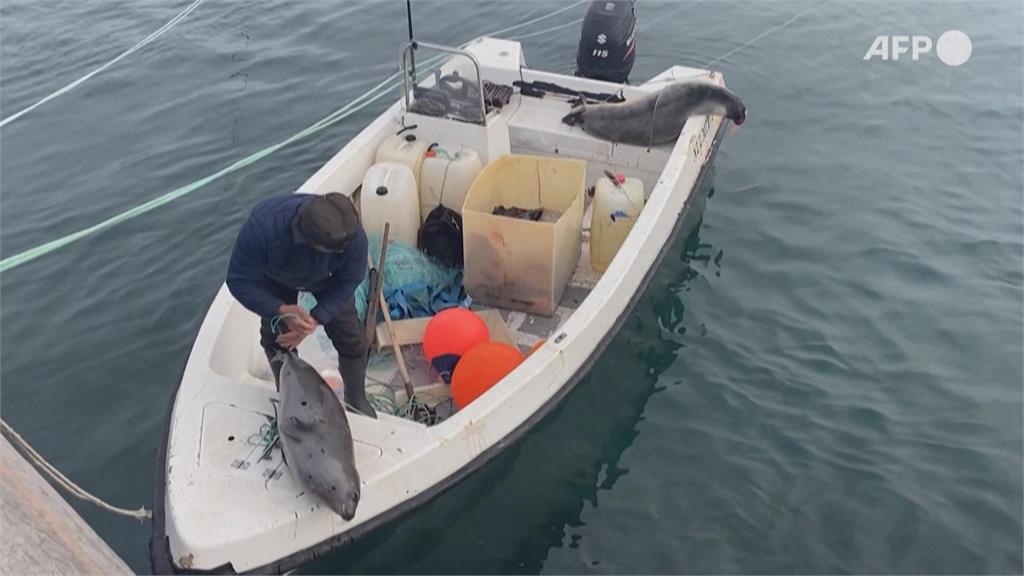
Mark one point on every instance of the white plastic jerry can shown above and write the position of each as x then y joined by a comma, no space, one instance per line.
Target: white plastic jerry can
617,205
446,177
389,195
403,149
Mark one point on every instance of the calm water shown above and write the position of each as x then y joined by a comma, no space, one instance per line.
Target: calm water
826,376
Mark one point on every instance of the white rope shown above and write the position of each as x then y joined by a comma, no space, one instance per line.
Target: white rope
746,44
645,27
767,32
159,32
552,29
63,481
535,20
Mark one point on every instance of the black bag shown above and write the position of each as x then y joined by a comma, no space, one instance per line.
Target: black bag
440,236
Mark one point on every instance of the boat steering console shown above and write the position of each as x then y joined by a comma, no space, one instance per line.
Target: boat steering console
452,95
449,94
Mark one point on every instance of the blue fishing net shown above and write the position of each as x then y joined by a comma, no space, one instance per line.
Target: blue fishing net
415,285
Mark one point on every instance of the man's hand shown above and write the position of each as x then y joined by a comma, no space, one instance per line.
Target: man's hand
290,339
297,319
300,324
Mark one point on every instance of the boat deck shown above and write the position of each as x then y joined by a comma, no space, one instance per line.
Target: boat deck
218,461
385,384
525,125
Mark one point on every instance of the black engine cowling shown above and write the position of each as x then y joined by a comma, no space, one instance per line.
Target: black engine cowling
608,41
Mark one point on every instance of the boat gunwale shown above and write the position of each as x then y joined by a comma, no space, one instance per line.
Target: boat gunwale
160,555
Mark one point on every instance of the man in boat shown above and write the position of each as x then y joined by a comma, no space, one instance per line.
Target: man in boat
313,243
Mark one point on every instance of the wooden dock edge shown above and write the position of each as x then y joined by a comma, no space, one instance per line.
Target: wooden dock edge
40,533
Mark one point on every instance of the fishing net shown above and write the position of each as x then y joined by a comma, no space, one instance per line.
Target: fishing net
415,285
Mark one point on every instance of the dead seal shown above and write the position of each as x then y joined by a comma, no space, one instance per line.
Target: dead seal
316,438
656,117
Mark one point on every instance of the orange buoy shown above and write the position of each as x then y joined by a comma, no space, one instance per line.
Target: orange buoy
482,367
449,335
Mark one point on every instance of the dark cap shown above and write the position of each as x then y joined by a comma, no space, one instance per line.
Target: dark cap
327,222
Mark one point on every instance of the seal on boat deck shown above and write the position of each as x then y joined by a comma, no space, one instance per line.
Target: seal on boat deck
316,438
656,117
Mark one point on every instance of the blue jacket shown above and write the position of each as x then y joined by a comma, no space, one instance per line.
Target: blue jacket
267,252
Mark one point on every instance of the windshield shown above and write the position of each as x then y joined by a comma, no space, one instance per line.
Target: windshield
444,82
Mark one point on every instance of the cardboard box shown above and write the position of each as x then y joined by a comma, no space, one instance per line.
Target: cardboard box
521,264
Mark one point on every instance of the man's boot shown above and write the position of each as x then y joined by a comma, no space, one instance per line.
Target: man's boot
353,373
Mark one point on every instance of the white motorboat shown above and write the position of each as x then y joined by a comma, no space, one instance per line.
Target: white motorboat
220,507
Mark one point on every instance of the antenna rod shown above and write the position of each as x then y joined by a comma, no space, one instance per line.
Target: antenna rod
412,53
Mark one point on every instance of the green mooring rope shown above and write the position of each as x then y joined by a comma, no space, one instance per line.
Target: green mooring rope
333,118
136,47
356,105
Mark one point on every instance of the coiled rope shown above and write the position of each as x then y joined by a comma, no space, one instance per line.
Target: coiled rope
139,45
63,481
372,95
266,438
424,407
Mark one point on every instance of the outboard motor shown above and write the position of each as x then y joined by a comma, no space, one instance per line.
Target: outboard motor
608,41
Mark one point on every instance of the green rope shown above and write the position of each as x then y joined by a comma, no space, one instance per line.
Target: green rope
267,437
363,101
422,407
329,120
275,322
136,47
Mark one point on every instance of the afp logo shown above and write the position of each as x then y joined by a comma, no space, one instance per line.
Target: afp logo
953,48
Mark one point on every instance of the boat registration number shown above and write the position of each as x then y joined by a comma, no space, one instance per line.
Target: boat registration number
697,149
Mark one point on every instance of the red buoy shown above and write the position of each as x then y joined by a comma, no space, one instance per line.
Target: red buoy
482,367
449,335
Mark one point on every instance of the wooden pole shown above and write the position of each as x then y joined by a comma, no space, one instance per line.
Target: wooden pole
383,304
40,533
397,349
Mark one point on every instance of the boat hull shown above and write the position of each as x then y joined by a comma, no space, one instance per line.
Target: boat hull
160,548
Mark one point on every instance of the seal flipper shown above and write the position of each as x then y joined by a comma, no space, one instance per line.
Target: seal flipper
575,117
294,427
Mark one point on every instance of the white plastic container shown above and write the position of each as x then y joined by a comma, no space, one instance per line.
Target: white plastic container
617,204
446,177
403,149
389,196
